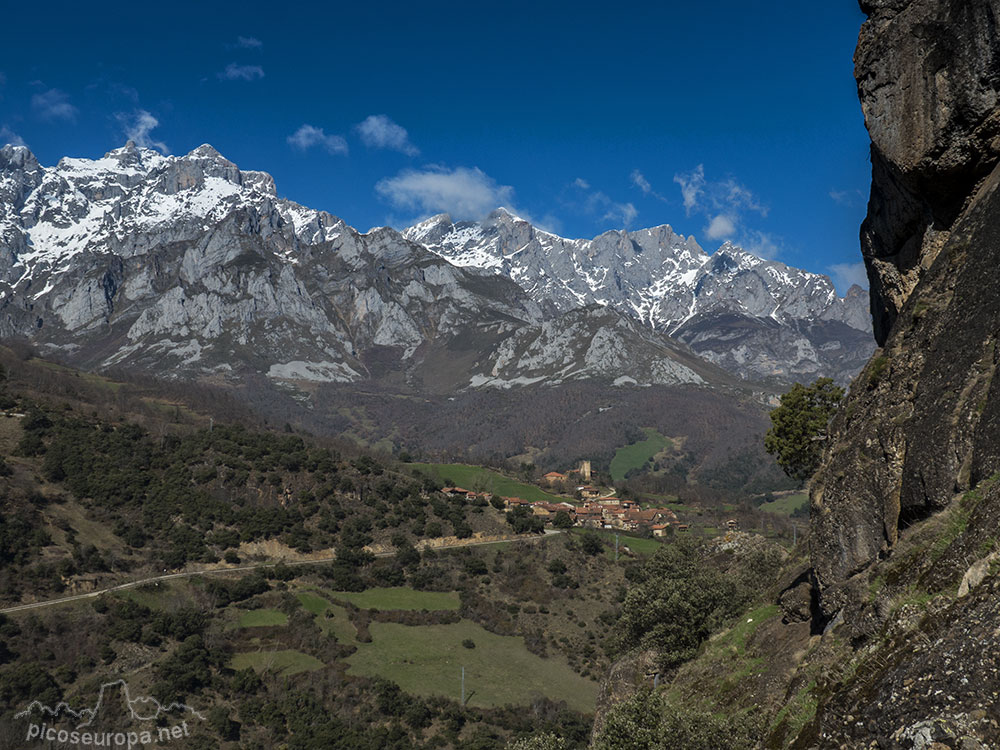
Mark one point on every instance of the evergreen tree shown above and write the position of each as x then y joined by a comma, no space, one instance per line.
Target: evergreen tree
799,425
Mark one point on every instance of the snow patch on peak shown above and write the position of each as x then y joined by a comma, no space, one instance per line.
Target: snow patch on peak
428,228
207,151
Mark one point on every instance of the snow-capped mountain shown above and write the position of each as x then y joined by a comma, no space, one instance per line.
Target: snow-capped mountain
754,317
189,266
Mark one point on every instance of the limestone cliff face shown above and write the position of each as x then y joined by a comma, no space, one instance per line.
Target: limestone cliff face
920,423
928,78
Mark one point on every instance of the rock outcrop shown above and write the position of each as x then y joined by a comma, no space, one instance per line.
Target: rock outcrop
893,631
920,421
928,76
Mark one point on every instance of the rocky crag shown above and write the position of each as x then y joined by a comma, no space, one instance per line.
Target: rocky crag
905,506
920,425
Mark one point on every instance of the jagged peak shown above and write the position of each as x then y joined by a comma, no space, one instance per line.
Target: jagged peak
433,221
262,181
504,214
208,152
429,229
130,155
15,156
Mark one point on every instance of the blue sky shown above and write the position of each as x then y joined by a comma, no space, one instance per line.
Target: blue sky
726,120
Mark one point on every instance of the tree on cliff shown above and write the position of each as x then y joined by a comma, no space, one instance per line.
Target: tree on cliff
798,426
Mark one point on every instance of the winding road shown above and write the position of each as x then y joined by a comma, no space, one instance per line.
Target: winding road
255,566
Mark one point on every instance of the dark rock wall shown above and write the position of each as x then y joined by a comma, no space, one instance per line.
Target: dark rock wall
921,421
928,78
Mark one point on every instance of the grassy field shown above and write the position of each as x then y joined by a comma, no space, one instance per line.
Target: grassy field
486,480
329,617
651,500
261,618
636,455
787,504
90,378
313,602
398,598
428,660
285,663
164,595
637,544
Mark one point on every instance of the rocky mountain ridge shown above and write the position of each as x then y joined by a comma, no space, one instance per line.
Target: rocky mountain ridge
192,266
189,265
757,318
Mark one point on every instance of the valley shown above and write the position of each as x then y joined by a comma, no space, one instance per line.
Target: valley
522,466
320,568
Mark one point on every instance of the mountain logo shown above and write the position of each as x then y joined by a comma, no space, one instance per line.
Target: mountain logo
117,720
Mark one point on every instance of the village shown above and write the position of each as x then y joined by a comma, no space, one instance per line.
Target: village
595,507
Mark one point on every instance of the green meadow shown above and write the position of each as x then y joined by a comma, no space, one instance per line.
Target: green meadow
428,660
478,479
636,455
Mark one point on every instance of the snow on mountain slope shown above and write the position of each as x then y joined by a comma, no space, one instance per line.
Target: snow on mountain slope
188,266
792,322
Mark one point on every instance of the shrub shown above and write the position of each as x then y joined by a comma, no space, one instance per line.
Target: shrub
590,543
876,370
648,721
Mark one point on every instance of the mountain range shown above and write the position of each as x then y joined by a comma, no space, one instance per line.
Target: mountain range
189,265
756,318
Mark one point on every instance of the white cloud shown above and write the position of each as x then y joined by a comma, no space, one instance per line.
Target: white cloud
308,136
53,105
728,207
623,213
849,198
234,72
845,275
597,203
248,42
9,136
761,244
548,223
737,196
641,182
692,186
720,227
378,131
138,126
610,210
461,192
